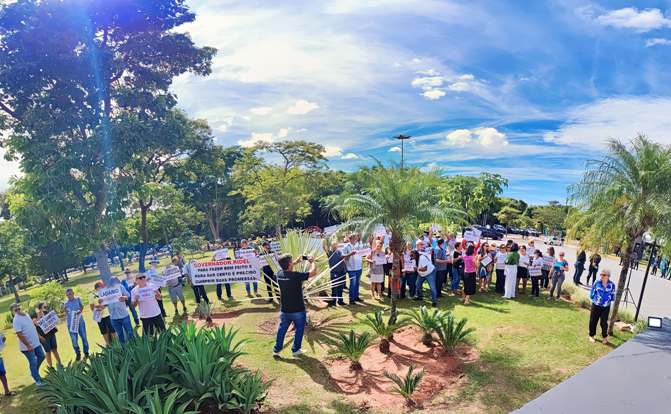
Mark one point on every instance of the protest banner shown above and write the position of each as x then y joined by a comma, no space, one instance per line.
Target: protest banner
244,253
225,272
472,235
221,254
363,251
171,273
73,326
486,260
109,295
48,322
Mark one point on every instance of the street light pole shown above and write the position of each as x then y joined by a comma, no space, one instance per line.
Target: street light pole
402,138
653,251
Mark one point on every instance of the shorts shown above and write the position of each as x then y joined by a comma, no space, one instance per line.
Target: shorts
175,293
522,272
483,273
2,367
50,343
105,325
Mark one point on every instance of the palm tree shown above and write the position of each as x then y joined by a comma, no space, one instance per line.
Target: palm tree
623,196
403,200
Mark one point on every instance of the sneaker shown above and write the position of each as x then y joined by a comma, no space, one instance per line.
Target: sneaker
276,354
78,357
298,353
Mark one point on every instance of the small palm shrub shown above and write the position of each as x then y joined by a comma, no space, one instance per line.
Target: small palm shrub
426,320
204,311
451,332
183,370
383,329
407,385
351,346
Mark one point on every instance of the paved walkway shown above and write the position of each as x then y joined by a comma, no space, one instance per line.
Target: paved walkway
634,378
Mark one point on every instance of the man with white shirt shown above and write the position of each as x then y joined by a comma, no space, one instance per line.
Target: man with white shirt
426,272
354,265
29,341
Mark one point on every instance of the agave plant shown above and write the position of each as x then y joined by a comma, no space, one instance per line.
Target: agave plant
155,403
383,329
407,385
249,390
351,347
229,348
426,320
204,311
451,332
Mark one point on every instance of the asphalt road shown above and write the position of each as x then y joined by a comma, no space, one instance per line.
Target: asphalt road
657,297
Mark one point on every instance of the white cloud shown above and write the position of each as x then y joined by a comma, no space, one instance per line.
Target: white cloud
350,156
302,107
395,149
549,137
486,137
283,133
256,137
331,151
427,82
620,118
631,18
433,94
261,110
657,41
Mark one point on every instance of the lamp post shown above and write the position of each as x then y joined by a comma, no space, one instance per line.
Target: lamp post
653,254
402,138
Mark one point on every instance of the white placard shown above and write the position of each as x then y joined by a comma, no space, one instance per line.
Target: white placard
171,273
244,253
226,272
379,260
221,254
409,266
274,246
548,261
48,322
157,281
330,230
109,295
97,315
472,235
363,252
73,326
486,260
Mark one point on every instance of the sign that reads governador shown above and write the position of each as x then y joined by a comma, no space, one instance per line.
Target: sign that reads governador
225,271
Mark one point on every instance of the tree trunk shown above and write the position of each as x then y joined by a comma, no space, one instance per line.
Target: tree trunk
214,225
103,266
621,283
65,275
144,234
396,245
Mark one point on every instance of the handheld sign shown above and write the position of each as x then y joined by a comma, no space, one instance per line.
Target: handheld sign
145,293
486,260
109,295
472,235
363,252
225,272
379,259
221,254
274,246
73,326
171,273
409,266
48,322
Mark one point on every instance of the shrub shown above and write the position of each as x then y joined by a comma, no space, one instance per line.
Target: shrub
178,371
351,347
383,329
51,293
640,326
204,311
426,320
451,332
407,385
625,315
569,290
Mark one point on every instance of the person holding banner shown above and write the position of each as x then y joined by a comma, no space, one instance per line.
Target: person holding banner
118,311
292,302
244,245
218,255
354,264
427,272
501,255
48,339
409,279
376,260
129,283
523,268
174,285
100,313
3,371
29,341
73,308
198,290
269,275
145,297
535,272
153,272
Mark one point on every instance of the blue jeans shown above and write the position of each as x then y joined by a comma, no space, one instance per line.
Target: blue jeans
35,358
123,329
431,278
354,279
455,278
256,288
82,333
409,280
298,319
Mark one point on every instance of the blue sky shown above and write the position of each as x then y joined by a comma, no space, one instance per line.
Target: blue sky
528,89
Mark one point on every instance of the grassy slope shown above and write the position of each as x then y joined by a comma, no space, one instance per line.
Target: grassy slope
526,347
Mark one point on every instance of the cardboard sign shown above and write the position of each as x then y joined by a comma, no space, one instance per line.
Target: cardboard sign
145,293
109,295
225,272
73,326
156,281
221,254
171,273
274,246
472,235
48,322
379,259
363,252
486,260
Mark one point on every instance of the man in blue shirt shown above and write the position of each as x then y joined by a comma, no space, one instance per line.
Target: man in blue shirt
601,295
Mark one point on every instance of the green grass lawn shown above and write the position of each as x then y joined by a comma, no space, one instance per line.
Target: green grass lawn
526,346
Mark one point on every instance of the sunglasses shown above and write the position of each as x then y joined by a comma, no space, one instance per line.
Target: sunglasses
141,277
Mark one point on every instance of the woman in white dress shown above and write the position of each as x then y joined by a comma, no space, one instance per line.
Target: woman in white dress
512,261
376,261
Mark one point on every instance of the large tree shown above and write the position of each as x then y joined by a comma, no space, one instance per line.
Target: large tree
624,195
70,74
402,200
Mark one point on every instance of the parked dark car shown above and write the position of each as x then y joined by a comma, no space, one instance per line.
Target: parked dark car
487,233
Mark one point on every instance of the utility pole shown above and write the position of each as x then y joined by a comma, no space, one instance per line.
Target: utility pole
402,138
653,254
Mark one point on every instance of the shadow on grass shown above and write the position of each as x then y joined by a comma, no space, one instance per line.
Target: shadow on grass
337,407
315,369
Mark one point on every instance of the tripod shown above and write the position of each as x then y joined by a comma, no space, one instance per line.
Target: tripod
628,296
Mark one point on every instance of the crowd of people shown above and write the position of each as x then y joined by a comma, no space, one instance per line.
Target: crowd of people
448,266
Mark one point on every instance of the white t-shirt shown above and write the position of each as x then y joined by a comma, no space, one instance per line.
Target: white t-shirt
148,305
354,262
24,324
501,260
424,261
524,261
535,269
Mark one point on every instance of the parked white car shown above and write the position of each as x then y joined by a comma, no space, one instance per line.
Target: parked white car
553,241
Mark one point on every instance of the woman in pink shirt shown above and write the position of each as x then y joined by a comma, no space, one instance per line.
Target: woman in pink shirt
471,263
